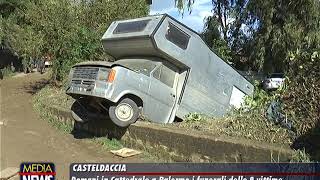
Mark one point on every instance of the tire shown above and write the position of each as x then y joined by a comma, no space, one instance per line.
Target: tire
124,113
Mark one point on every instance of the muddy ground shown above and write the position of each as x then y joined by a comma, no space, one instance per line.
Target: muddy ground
25,137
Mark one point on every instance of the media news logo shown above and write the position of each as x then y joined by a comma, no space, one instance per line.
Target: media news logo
37,171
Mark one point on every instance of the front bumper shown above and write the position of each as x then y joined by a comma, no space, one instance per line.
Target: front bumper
272,85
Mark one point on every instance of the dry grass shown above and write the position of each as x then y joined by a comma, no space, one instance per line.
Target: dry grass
56,97
251,125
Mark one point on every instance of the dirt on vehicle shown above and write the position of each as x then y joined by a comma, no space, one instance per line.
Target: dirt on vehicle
25,137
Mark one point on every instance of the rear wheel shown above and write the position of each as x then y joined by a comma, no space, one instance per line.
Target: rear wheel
124,112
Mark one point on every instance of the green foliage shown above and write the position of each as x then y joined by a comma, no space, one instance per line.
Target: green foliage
259,100
274,36
68,31
28,43
194,117
212,37
108,144
184,4
300,156
7,72
282,27
8,6
303,94
1,30
260,34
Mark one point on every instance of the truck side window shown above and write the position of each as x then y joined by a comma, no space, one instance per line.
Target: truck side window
157,72
165,75
177,36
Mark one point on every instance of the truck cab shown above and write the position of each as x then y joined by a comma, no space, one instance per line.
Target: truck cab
124,88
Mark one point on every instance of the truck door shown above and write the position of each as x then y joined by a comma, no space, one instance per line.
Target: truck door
162,93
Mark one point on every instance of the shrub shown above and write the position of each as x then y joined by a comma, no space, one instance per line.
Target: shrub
302,96
6,72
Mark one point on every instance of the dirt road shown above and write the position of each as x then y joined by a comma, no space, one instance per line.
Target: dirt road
25,137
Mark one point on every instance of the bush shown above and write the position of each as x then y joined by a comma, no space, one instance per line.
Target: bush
302,96
300,156
6,72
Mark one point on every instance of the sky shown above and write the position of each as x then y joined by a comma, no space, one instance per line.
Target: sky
195,20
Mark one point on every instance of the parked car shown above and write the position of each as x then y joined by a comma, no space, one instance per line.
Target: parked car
162,70
48,63
274,81
48,60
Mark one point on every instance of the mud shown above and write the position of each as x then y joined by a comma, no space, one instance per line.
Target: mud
25,137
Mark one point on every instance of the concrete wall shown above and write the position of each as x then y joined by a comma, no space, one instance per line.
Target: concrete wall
173,144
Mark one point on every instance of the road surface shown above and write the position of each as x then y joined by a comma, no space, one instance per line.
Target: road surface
25,137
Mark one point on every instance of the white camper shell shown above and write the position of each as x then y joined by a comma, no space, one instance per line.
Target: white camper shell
201,81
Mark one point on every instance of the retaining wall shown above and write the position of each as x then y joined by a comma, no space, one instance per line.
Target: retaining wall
175,144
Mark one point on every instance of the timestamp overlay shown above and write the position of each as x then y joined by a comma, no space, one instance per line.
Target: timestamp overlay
194,171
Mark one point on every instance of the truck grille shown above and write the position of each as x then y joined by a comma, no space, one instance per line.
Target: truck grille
82,82
85,72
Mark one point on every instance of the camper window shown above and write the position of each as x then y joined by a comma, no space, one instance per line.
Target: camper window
177,36
132,26
165,75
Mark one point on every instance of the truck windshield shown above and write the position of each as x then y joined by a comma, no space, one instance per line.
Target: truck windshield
277,75
140,66
131,26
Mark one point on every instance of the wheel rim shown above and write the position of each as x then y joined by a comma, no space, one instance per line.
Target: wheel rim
124,112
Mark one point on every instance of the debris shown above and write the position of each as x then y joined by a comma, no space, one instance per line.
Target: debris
275,115
125,152
8,172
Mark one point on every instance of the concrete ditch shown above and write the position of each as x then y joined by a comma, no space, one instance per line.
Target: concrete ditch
174,144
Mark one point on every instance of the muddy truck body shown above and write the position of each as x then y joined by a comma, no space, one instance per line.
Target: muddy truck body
162,70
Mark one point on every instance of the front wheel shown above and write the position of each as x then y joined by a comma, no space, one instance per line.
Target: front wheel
124,112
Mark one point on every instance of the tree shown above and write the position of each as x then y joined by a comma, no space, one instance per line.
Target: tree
280,35
1,30
262,33
69,31
212,36
228,16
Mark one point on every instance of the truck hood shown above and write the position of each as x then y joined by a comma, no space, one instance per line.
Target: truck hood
95,63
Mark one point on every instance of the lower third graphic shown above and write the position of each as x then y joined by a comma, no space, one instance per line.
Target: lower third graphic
37,171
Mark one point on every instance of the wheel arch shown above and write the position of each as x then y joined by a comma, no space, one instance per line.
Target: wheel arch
133,97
